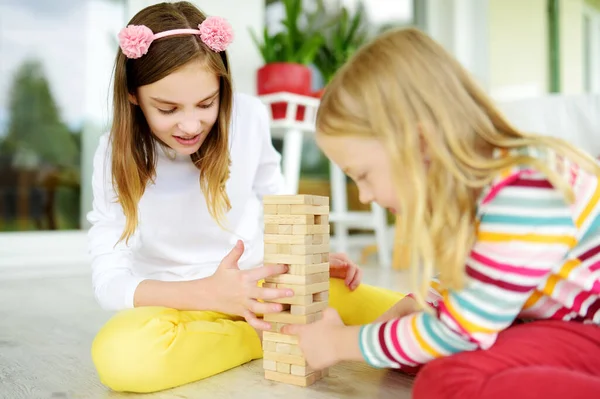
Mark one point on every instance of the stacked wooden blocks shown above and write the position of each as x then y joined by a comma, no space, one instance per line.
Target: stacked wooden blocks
296,234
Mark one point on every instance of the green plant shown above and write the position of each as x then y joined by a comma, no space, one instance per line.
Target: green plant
342,38
293,44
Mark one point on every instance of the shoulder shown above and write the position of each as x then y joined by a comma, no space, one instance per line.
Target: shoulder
248,108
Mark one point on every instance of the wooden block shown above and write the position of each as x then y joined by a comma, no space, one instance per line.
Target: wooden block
270,209
300,370
325,257
284,209
318,239
280,347
320,296
285,229
310,229
270,248
285,249
303,270
295,300
290,239
302,381
289,199
320,200
308,209
298,279
308,309
275,327
271,229
286,317
284,358
320,220
269,346
290,259
279,338
269,285
308,289
309,249
284,368
290,219
271,365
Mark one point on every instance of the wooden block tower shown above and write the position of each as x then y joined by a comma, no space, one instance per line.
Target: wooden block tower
296,234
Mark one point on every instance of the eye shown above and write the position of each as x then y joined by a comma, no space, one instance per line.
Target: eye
206,106
166,111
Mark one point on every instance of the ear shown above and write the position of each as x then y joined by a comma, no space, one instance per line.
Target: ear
132,99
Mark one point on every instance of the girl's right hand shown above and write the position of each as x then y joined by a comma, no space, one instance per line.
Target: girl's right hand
238,293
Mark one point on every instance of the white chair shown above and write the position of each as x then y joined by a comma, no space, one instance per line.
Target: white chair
292,131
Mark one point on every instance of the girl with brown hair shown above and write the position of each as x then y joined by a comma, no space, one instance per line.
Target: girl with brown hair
177,184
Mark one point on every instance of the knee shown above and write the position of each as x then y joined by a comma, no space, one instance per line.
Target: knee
448,378
128,354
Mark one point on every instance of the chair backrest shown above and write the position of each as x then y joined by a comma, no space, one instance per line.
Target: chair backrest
573,118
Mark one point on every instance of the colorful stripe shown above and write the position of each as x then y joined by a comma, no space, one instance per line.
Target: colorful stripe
535,255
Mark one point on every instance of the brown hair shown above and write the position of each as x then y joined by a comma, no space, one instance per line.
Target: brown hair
133,144
405,90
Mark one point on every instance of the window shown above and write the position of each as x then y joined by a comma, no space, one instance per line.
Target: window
53,88
591,50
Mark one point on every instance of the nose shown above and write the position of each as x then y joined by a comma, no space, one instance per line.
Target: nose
190,125
365,196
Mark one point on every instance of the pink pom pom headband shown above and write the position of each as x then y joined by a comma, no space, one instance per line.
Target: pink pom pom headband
215,32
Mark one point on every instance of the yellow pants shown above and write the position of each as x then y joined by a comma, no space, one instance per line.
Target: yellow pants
149,349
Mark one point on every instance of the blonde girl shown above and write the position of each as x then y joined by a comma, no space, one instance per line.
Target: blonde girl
508,223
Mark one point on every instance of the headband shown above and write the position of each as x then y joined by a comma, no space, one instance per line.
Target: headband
215,32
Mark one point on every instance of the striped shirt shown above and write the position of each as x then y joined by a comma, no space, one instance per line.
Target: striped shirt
536,257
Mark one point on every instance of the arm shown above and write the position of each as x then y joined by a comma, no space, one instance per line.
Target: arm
114,283
511,258
115,286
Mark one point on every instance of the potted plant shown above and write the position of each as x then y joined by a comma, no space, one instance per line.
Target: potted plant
287,56
341,39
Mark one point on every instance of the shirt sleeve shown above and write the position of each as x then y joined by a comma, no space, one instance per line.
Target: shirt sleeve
112,279
269,178
524,231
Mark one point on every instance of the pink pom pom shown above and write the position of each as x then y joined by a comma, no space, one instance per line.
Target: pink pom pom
216,33
135,40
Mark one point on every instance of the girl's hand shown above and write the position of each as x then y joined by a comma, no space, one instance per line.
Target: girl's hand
327,341
403,307
237,291
340,266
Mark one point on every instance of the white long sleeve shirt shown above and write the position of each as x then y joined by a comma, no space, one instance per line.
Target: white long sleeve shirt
176,238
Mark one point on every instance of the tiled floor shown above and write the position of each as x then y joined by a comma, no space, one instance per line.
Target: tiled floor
47,325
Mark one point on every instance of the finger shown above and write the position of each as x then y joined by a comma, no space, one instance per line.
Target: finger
351,272
291,329
356,280
264,308
231,259
255,321
260,273
272,293
337,260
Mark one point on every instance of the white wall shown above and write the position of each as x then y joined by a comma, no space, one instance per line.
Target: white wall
518,48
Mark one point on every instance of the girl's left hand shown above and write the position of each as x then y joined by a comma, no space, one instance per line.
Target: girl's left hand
319,340
340,266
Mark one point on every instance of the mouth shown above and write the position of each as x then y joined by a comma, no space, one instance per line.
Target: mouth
188,140
392,210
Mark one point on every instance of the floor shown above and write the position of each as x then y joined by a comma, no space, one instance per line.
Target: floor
47,325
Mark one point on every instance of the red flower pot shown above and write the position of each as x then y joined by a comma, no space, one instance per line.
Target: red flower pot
284,77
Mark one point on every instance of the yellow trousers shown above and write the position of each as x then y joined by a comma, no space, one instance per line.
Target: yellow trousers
149,349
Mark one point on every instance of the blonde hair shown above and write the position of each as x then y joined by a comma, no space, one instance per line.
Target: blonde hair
133,144
405,90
